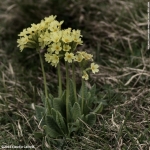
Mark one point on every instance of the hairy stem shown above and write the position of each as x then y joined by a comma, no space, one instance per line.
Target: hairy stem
67,91
59,80
82,96
44,81
74,82
44,76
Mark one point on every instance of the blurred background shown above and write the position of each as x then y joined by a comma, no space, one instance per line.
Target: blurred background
115,32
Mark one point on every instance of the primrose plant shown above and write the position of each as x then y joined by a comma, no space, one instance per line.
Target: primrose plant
72,110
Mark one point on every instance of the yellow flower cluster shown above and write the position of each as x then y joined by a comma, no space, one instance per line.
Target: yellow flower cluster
59,43
38,35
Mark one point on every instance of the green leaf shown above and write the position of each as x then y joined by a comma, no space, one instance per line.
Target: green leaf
52,132
93,90
90,119
53,113
83,90
50,96
70,112
40,113
61,123
42,97
71,92
76,111
93,94
74,127
89,95
99,108
87,104
51,124
84,94
59,120
59,105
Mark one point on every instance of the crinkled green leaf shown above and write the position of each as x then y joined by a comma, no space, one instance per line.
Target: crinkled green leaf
90,119
59,105
61,123
76,111
52,132
51,124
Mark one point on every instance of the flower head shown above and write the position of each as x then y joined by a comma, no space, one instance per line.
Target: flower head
48,57
22,42
49,19
55,59
23,33
85,55
66,47
78,57
55,36
42,25
94,68
85,75
69,57
66,36
55,25
76,36
56,47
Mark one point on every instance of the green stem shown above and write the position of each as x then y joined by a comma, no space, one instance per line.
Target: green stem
45,86
82,96
82,102
67,91
74,82
44,76
60,81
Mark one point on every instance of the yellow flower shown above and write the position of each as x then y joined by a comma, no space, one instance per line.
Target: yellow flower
77,33
78,41
49,19
69,57
22,42
67,31
23,33
66,47
66,38
79,58
35,27
55,36
66,35
42,25
41,41
94,68
85,55
56,47
55,59
85,76
46,38
76,36
55,25
54,64
48,57
30,30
